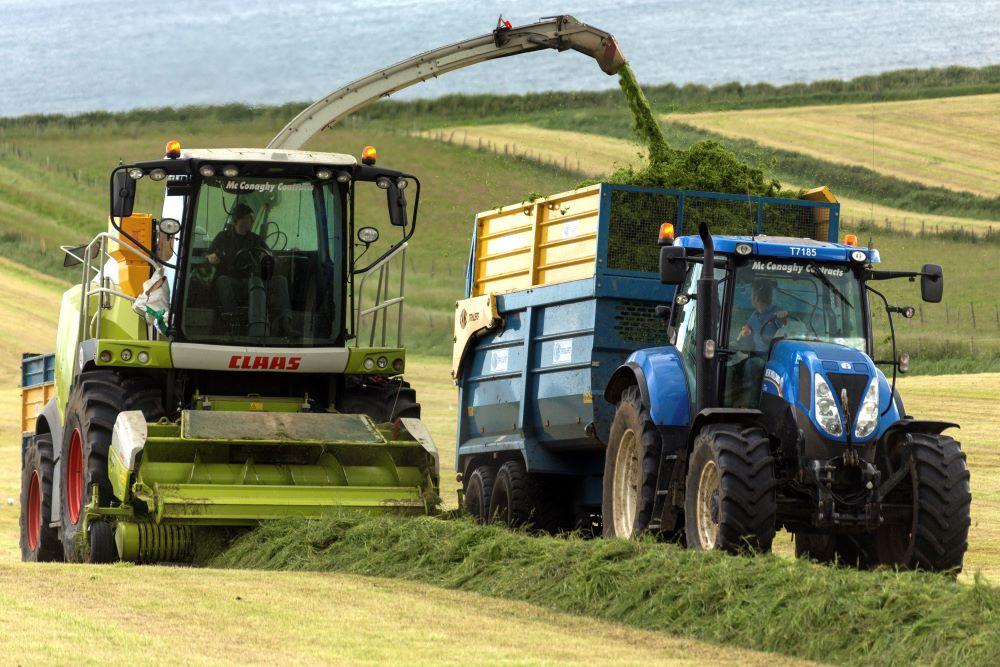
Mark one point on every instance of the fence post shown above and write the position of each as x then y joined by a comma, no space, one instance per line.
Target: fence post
972,312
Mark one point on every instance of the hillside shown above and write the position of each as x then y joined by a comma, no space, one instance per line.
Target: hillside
950,141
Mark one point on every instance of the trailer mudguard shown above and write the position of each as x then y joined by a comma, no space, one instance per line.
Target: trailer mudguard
662,383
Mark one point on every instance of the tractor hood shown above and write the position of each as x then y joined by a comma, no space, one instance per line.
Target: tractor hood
829,384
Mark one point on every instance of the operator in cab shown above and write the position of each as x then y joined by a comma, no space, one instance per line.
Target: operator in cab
238,253
754,338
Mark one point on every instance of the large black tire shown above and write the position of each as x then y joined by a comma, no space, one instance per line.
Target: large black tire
510,502
93,406
478,492
39,542
631,464
729,499
382,401
938,487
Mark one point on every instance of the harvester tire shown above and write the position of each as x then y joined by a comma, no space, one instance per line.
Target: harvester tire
479,491
631,464
510,502
381,401
91,410
938,486
39,542
729,499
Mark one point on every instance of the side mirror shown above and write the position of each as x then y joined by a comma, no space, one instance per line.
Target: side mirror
673,268
122,195
397,204
931,283
368,235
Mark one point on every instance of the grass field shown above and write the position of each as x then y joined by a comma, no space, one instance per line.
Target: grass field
950,141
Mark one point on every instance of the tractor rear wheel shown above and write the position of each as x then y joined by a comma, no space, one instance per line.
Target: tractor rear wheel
938,490
39,542
631,464
510,502
93,406
729,499
479,491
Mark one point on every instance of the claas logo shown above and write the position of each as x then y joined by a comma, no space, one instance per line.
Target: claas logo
264,363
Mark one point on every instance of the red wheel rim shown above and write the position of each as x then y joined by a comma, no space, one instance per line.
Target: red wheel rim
74,477
34,510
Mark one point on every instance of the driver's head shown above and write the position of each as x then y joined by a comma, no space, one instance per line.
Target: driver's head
761,293
242,218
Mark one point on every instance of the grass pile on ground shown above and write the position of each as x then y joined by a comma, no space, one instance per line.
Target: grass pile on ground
706,165
766,603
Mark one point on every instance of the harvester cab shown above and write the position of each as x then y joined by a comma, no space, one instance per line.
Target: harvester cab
773,412
236,360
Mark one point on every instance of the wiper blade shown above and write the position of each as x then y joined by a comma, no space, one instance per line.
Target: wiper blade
818,272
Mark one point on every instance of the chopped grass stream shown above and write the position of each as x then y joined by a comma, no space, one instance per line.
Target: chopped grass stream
766,603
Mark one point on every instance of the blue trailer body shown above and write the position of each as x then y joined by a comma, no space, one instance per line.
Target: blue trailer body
38,371
534,386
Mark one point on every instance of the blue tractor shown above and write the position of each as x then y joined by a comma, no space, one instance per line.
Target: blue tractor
767,409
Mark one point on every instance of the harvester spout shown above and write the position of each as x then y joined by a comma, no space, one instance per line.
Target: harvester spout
561,33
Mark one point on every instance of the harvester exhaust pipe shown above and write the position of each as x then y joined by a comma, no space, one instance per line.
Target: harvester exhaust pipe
561,33
705,325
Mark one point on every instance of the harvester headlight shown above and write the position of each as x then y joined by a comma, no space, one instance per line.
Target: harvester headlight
369,364
230,171
143,357
135,173
343,176
105,356
383,182
126,354
826,407
402,183
169,226
206,170
158,174
858,256
868,414
743,249
324,174
397,365
382,362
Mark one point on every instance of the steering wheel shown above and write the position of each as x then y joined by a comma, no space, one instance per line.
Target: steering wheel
775,318
254,261
273,236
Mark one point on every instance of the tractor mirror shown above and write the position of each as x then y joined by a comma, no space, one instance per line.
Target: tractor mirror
673,268
931,283
122,194
397,203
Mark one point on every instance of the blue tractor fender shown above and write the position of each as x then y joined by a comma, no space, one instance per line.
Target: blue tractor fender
662,384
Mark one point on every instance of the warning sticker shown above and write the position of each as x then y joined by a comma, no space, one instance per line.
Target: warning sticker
571,229
562,351
498,361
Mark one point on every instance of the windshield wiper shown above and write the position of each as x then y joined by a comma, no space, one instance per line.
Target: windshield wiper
826,281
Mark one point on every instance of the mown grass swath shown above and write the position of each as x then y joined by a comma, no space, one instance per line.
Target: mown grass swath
767,603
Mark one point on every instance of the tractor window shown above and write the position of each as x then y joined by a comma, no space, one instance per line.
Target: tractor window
265,263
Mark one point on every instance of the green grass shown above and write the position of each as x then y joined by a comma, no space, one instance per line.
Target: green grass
765,603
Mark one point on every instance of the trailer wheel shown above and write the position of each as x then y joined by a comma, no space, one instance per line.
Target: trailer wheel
631,464
93,406
39,542
510,502
938,491
479,491
729,499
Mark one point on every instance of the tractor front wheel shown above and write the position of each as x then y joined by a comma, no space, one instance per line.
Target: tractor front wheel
729,499
631,464
39,542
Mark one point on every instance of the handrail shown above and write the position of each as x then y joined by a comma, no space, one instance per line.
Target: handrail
382,300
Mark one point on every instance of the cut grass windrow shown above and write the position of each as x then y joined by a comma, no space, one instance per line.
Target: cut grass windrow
765,603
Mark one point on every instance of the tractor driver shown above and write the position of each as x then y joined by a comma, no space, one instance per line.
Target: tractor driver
762,325
234,252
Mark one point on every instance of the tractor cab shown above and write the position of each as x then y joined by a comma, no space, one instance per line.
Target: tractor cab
257,247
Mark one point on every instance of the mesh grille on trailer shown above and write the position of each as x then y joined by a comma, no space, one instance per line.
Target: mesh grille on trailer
633,228
797,221
724,216
636,322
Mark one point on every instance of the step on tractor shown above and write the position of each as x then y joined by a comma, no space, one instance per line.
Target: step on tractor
611,385
240,358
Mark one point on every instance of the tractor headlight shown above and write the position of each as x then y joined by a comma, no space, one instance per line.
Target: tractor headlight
826,407
868,414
